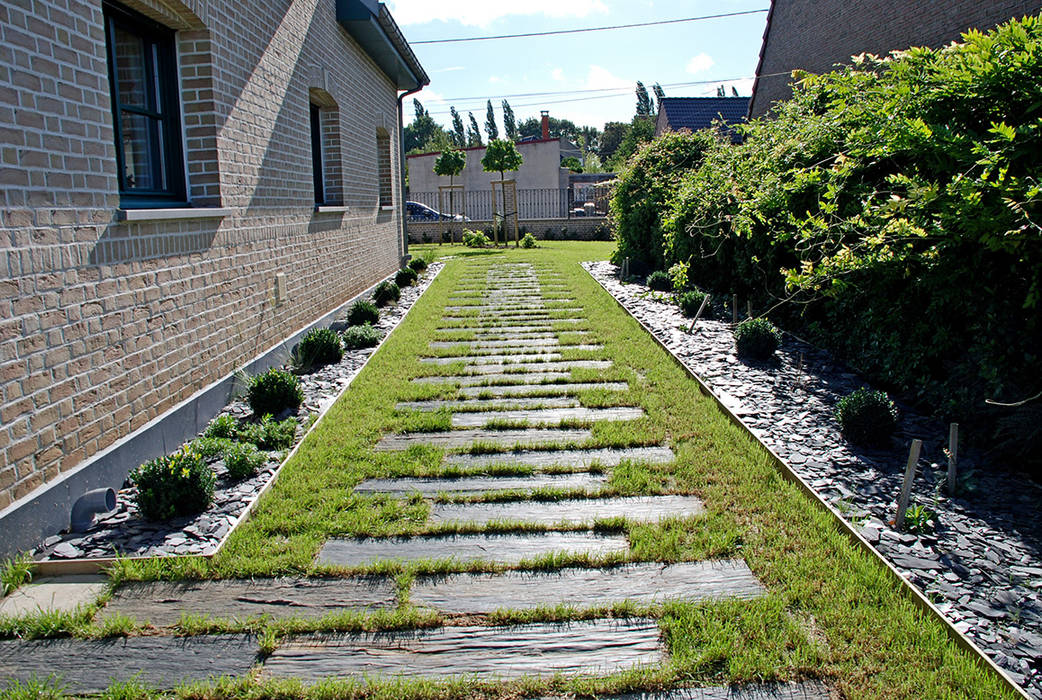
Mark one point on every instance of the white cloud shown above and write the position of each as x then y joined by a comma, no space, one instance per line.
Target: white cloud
700,63
450,69
494,79
432,100
557,74
599,78
481,13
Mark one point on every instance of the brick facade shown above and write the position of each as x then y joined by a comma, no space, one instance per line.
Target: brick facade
107,323
816,35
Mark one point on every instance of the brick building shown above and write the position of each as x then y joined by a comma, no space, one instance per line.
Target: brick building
185,183
815,36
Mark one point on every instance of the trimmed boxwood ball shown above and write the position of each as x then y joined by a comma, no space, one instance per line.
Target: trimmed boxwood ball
364,336
756,338
385,293
243,460
361,312
318,347
273,392
418,265
405,277
659,281
867,417
690,302
174,485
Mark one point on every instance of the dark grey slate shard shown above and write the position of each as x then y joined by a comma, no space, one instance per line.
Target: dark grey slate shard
523,389
91,666
507,549
597,647
465,438
646,584
474,380
504,404
162,603
604,456
572,511
806,690
477,484
547,415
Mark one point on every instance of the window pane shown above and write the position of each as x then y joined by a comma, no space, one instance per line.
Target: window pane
131,69
143,156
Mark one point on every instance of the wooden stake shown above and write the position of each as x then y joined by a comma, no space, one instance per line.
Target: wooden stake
906,487
953,456
748,309
705,300
734,310
625,268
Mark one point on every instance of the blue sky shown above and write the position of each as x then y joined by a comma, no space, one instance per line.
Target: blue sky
718,50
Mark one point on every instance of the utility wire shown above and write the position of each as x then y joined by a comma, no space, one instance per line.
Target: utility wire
588,29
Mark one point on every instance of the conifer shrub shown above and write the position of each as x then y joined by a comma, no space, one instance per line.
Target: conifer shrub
660,281
361,312
357,337
385,293
405,277
756,338
273,392
174,485
867,417
418,265
318,347
243,460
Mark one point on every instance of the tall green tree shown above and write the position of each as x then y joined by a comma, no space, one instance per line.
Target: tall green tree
501,156
558,127
459,136
509,122
423,132
450,163
641,130
644,106
611,138
490,123
473,132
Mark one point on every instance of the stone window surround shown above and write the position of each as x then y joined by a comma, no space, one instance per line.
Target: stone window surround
332,162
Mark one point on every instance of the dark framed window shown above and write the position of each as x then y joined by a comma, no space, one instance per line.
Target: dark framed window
145,109
317,172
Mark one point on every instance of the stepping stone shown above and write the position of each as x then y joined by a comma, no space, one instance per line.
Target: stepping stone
607,456
478,484
91,666
548,415
475,379
597,647
465,438
533,388
807,690
513,368
573,511
553,343
644,584
490,404
493,359
520,352
163,602
54,594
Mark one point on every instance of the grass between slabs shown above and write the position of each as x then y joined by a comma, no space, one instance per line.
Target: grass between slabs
831,611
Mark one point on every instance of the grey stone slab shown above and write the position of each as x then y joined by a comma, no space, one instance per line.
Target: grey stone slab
54,594
521,389
806,690
519,352
162,603
606,456
504,404
494,359
90,666
644,584
553,343
465,438
573,511
478,484
513,325
507,549
547,415
596,647
475,379
535,367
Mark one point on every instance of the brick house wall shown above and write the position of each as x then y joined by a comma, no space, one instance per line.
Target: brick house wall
107,323
814,36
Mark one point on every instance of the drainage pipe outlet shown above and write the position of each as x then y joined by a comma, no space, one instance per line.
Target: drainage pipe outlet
87,505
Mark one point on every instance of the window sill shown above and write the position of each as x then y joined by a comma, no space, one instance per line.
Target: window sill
169,214
386,207
324,209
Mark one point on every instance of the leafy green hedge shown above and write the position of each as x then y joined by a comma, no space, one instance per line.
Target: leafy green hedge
892,207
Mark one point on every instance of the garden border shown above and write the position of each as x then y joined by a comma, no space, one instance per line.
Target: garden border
845,527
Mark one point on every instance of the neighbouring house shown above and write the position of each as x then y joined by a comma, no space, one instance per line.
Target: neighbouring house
694,113
814,36
186,183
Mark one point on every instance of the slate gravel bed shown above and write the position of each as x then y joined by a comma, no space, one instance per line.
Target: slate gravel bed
124,532
982,563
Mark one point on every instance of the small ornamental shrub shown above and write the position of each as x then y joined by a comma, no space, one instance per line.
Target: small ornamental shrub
528,241
361,312
174,485
418,265
222,427
756,338
385,293
210,447
318,347
690,302
243,460
475,239
867,417
269,434
659,281
357,337
273,392
405,277
678,274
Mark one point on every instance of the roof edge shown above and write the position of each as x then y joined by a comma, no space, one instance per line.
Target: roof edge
759,62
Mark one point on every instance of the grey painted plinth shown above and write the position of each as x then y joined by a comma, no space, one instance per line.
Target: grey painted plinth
644,584
556,388
464,438
506,549
605,456
480,379
90,666
807,690
590,648
489,404
162,603
478,484
572,511
548,415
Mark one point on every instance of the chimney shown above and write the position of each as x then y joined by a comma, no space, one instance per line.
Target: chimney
545,114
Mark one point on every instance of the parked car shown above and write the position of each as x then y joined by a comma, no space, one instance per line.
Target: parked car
421,212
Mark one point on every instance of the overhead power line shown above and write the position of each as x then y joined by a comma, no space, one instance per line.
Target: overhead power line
588,29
